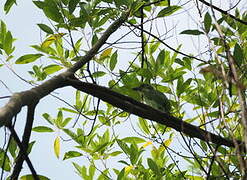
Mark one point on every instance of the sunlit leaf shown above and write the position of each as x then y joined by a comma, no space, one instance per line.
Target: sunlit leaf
30,177
134,139
51,39
7,44
71,154
28,58
52,68
42,129
98,74
57,147
106,53
4,158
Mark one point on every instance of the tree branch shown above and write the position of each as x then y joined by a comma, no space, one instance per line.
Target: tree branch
25,142
134,107
223,12
93,51
29,163
18,100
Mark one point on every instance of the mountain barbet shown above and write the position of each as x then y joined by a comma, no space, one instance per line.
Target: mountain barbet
154,98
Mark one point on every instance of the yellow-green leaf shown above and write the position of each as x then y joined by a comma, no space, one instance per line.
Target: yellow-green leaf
28,58
42,129
51,39
106,53
167,142
57,146
52,68
30,177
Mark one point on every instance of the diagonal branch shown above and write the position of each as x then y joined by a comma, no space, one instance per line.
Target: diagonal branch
223,12
91,53
25,141
132,106
18,100
18,142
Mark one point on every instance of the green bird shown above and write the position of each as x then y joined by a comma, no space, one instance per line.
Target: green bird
154,98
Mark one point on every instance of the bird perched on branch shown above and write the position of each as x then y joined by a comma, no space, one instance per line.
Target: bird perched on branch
154,98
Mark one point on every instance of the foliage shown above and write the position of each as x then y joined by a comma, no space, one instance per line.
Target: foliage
203,90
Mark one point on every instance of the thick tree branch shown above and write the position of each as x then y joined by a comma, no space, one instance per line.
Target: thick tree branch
25,98
18,100
134,107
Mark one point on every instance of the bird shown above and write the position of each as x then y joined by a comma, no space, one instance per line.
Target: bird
154,98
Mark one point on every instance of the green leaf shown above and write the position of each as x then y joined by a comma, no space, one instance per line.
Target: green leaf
28,58
42,129
133,139
160,58
204,146
168,11
98,74
59,118
30,177
153,166
65,122
121,174
39,4
100,147
113,60
8,4
57,146
192,32
45,28
94,39
7,44
48,118
182,86
238,54
6,166
51,10
71,154
115,153
30,147
92,171
50,69
154,46
144,125
72,5
12,147
123,146
207,22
